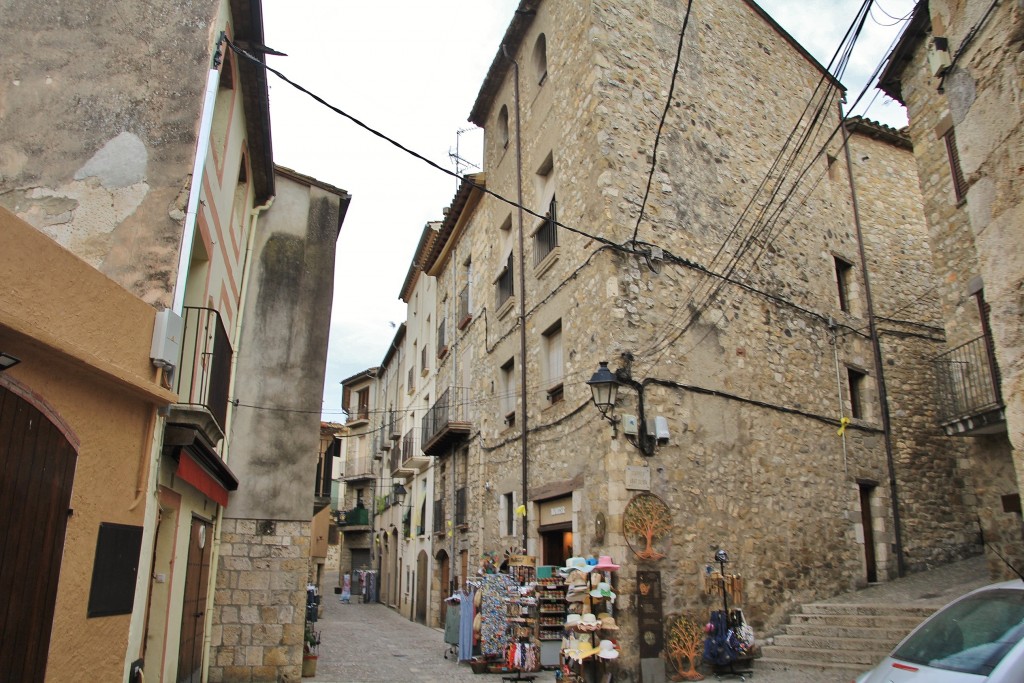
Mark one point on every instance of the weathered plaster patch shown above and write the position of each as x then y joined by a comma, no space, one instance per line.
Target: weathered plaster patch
81,215
119,163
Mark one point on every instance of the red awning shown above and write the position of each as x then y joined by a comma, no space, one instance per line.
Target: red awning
194,473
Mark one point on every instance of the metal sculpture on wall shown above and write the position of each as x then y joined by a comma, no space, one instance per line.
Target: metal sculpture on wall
684,641
646,518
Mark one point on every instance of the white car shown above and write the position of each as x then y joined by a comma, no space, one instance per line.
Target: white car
978,637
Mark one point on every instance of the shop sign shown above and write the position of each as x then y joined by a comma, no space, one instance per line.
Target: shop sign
556,511
649,617
638,478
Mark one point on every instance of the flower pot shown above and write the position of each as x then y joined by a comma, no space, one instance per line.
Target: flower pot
308,665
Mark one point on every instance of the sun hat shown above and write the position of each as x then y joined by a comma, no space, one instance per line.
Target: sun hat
589,619
586,650
572,620
606,650
603,590
571,646
607,622
577,563
576,578
606,564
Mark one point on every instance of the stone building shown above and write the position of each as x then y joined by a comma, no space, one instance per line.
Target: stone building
952,70
159,176
738,301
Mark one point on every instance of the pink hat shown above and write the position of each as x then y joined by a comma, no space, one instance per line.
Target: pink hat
606,564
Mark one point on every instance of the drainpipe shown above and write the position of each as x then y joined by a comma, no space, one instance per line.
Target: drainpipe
202,149
522,293
876,348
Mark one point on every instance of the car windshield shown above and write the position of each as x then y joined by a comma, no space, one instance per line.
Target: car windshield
971,635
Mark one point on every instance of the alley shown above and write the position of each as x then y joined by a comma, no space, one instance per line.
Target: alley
369,643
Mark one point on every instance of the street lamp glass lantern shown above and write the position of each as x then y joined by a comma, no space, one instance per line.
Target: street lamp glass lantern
604,387
399,491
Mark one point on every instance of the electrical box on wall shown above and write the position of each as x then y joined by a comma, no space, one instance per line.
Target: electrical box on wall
629,424
938,56
167,333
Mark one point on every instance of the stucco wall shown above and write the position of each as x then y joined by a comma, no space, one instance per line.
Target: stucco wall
98,126
84,345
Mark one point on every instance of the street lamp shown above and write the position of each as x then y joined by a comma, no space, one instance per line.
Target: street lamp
399,492
604,386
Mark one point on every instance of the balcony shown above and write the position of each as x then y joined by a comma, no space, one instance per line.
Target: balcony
203,373
356,517
357,415
359,468
968,393
447,421
396,462
412,457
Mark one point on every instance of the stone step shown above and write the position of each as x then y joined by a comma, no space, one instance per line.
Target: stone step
868,609
826,643
810,656
783,663
906,623
890,635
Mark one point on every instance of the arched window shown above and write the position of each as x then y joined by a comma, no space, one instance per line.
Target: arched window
540,58
503,125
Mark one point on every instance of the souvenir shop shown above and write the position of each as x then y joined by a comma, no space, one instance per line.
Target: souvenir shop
517,618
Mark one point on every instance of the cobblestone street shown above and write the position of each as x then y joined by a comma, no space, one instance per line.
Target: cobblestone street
367,643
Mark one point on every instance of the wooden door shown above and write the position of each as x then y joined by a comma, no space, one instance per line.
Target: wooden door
422,591
193,610
445,583
37,470
869,532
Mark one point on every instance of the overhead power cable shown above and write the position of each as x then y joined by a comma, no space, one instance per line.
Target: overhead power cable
464,178
661,124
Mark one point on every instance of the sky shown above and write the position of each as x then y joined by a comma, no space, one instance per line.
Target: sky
411,69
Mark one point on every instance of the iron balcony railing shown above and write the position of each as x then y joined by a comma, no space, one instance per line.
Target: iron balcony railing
357,516
358,467
358,413
204,368
448,418
461,506
395,459
968,380
439,516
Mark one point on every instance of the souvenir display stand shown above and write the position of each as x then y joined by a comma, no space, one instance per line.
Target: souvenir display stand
522,654
730,641
589,647
551,612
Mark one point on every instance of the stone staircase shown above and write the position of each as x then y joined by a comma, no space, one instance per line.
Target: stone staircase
845,636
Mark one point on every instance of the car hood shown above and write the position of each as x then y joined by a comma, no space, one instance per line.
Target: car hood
886,672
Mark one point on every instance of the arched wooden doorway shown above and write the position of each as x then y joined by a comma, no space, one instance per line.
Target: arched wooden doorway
422,589
37,469
444,573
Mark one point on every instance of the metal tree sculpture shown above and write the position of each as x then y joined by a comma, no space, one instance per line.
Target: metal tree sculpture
684,639
646,517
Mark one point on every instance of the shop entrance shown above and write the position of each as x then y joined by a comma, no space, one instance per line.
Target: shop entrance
867,521
556,541
445,573
421,588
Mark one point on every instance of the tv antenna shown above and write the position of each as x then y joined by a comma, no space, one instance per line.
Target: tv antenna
460,162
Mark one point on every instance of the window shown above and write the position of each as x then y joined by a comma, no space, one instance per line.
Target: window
856,380
507,387
546,239
363,401
540,59
844,274
553,361
503,126
424,364
442,341
466,295
832,166
504,282
508,502
411,386
959,184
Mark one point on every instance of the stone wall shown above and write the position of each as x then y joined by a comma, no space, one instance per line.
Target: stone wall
742,344
260,602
